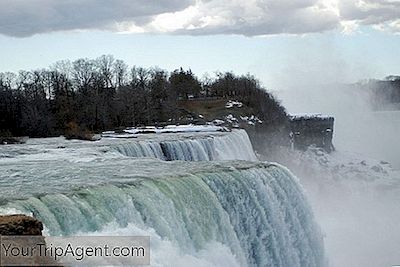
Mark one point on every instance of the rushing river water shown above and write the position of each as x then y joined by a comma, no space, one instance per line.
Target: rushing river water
193,194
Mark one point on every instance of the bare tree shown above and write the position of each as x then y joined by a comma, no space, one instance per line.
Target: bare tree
105,65
83,71
120,72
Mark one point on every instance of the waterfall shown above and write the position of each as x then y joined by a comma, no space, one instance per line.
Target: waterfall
252,215
229,146
203,199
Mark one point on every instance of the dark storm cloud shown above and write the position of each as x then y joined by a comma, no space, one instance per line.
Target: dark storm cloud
28,17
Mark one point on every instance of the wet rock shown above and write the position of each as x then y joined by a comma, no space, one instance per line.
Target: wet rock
20,225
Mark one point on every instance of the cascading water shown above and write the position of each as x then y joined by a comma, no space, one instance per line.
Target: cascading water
220,213
257,211
235,145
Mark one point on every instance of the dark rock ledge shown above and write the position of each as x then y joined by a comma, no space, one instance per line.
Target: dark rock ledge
20,225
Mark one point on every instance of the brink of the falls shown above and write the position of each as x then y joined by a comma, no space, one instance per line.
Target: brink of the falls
196,197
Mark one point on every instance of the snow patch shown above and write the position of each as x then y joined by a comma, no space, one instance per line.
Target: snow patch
190,128
252,120
218,122
308,116
232,103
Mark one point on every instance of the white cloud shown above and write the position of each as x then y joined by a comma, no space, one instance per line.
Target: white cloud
392,26
349,27
380,14
251,17
245,17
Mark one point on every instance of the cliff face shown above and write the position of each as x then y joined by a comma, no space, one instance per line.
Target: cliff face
20,225
308,130
12,228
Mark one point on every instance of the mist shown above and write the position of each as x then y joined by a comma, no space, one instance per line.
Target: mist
358,126
354,191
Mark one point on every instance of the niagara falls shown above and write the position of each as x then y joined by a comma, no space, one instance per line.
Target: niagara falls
188,208
200,133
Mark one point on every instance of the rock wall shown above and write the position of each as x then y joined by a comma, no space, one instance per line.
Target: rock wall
314,129
20,225
12,227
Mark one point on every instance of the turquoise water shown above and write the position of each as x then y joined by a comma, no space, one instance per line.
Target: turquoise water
205,213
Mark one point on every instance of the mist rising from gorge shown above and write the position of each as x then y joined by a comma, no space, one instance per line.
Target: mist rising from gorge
356,207
359,127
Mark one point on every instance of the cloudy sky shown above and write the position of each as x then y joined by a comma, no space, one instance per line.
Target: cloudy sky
325,40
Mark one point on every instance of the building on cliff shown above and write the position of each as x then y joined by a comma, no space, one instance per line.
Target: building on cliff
311,129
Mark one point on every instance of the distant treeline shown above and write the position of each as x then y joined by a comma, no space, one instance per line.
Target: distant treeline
105,93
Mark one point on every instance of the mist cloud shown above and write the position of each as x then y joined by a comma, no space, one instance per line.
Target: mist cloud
22,18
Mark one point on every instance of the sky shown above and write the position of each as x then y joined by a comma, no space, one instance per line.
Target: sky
283,43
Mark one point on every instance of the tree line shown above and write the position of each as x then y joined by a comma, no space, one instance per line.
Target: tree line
105,93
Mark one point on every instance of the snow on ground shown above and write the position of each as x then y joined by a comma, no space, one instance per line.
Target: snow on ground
218,122
235,122
232,103
252,120
112,134
214,126
309,116
231,118
190,128
344,167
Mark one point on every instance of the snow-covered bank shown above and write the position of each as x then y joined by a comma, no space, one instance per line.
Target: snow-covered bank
309,116
190,128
